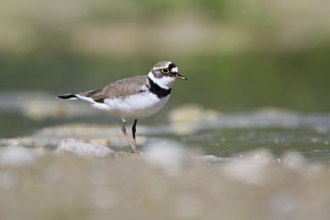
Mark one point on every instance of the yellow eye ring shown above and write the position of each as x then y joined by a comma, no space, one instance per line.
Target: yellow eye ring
165,71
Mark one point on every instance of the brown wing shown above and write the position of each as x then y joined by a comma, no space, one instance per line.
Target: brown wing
118,89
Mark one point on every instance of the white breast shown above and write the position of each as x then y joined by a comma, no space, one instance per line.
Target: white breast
137,106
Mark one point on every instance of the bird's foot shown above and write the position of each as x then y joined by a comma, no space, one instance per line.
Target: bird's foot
136,151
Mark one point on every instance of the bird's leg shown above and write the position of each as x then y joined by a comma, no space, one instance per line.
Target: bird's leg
133,146
134,140
134,130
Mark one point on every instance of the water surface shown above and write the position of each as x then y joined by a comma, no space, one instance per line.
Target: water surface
218,133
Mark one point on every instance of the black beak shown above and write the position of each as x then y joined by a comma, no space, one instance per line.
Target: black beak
179,76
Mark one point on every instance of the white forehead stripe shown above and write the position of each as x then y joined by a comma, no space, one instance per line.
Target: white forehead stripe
174,70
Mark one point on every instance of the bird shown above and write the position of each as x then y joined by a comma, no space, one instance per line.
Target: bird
133,98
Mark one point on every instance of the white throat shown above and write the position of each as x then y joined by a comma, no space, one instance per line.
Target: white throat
164,82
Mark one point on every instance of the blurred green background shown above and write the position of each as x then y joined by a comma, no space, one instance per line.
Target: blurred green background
238,54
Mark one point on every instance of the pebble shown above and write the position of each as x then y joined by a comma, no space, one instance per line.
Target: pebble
251,168
167,155
82,148
16,155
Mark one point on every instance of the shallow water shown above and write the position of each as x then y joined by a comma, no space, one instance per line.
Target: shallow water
214,132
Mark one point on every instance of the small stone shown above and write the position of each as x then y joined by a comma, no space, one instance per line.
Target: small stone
213,159
250,169
81,148
16,155
168,156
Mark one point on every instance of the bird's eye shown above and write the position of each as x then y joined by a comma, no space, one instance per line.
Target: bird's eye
165,71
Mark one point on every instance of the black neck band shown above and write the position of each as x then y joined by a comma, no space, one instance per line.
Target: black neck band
157,90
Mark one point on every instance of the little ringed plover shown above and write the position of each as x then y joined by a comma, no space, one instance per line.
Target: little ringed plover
134,97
